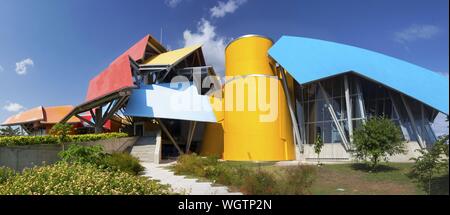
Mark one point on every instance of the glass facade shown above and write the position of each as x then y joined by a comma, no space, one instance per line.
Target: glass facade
367,99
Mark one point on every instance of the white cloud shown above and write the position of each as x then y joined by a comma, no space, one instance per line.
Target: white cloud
22,66
1,68
225,7
13,107
172,3
213,45
416,32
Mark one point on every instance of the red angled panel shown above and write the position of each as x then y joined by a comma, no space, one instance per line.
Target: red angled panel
137,51
116,76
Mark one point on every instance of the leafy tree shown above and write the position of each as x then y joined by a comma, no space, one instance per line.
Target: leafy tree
9,131
377,139
62,131
431,163
318,144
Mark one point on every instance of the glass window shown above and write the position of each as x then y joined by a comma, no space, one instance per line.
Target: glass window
356,112
320,110
388,112
327,135
338,87
335,136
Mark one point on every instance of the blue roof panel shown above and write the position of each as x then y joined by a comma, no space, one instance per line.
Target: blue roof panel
309,60
179,101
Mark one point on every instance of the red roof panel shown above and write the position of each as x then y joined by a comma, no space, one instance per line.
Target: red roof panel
137,51
116,76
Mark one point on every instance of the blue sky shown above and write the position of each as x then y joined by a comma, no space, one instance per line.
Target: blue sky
50,49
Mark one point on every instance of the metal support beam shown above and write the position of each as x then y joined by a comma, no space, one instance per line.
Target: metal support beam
301,124
115,108
413,122
192,125
85,120
127,118
402,126
422,124
24,128
92,115
335,119
297,137
107,109
301,119
98,120
360,100
348,104
164,128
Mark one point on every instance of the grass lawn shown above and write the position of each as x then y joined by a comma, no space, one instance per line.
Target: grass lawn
328,179
355,179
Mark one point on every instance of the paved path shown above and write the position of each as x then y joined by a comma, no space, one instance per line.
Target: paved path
181,184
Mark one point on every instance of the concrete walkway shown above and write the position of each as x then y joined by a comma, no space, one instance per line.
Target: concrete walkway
180,184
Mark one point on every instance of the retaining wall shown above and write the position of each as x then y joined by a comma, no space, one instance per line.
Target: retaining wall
20,157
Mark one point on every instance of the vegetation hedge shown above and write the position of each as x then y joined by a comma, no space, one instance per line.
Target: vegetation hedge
295,180
96,156
37,140
79,179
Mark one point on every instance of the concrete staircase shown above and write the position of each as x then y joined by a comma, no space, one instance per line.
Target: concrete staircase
181,184
144,149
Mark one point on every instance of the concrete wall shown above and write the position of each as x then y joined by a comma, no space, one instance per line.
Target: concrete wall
20,157
330,152
335,152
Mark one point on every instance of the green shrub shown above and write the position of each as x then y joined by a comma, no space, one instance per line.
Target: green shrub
79,179
36,140
61,130
377,139
296,180
5,173
292,180
208,167
123,162
83,154
233,176
318,145
259,183
431,164
193,164
96,156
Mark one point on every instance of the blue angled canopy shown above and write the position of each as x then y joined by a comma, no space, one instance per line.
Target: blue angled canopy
170,101
309,60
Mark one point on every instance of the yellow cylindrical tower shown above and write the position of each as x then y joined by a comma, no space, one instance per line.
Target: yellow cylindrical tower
212,143
256,118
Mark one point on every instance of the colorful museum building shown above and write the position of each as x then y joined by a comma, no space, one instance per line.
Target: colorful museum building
273,102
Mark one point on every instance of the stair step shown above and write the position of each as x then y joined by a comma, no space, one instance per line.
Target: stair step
144,149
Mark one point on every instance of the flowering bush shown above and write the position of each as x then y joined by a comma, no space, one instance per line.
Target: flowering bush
79,179
36,140
5,173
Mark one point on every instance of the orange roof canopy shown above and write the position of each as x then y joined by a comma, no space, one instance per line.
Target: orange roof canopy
44,115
